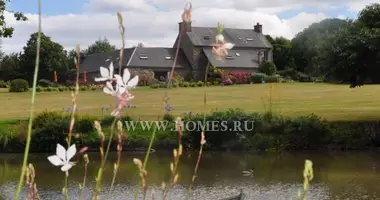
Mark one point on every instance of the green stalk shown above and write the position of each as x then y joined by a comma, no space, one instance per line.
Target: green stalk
100,171
146,158
31,115
203,130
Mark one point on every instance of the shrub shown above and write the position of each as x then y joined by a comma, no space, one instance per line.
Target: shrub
258,77
295,75
192,84
233,79
208,83
175,85
46,83
39,89
272,79
186,84
162,84
168,117
61,89
3,84
268,68
19,85
227,81
154,86
48,89
83,88
93,88
177,78
240,77
200,83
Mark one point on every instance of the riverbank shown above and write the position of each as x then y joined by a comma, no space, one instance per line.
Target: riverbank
257,132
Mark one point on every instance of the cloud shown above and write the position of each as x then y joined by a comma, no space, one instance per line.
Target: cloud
155,22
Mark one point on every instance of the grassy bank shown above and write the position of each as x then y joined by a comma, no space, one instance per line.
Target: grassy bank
333,102
267,132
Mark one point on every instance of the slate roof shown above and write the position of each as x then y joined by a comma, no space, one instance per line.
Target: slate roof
236,36
241,58
91,63
157,57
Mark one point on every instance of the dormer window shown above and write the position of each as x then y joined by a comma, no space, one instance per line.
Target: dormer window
206,37
168,57
249,39
143,56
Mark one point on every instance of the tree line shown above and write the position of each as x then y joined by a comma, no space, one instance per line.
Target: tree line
334,50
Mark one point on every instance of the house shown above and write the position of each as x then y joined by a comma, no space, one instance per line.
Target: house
195,53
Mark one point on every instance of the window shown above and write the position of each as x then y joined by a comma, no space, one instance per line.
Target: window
206,37
143,56
168,57
249,39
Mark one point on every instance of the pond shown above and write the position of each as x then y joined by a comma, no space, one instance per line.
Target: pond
350,175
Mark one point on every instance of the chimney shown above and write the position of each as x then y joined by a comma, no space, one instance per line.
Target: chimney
258,28
186,28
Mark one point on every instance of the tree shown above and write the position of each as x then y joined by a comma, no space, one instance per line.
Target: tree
6,31
10,67
282,52
370,16
353,53
306,44
52,58
100,46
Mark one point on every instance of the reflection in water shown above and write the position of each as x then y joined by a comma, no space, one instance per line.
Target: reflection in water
336,176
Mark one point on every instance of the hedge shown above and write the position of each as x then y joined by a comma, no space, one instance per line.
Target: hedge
268,132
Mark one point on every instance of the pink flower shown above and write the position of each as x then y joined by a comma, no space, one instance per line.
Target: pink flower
220,50
186,15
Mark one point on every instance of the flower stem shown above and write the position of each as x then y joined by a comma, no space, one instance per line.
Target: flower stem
146,158
101,168
31,115
201,147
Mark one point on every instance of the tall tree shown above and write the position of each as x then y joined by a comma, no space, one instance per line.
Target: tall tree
305,44
282,52
354,52
6,31
52,58
370,16
10,67
100,46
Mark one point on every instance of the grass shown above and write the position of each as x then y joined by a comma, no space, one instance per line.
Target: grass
333,102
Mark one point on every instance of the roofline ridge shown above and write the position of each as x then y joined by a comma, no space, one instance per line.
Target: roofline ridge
130,58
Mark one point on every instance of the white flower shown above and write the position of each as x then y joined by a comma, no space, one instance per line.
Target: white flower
108,89
220,38
105,73
63,157
124,84
228,45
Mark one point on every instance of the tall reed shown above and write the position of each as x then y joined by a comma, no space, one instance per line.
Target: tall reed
105,155
31,114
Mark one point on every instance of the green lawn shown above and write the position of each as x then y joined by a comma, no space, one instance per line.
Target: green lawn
334,102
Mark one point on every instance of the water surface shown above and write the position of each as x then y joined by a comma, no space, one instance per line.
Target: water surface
276,176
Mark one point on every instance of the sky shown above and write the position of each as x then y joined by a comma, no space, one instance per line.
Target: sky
155,22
